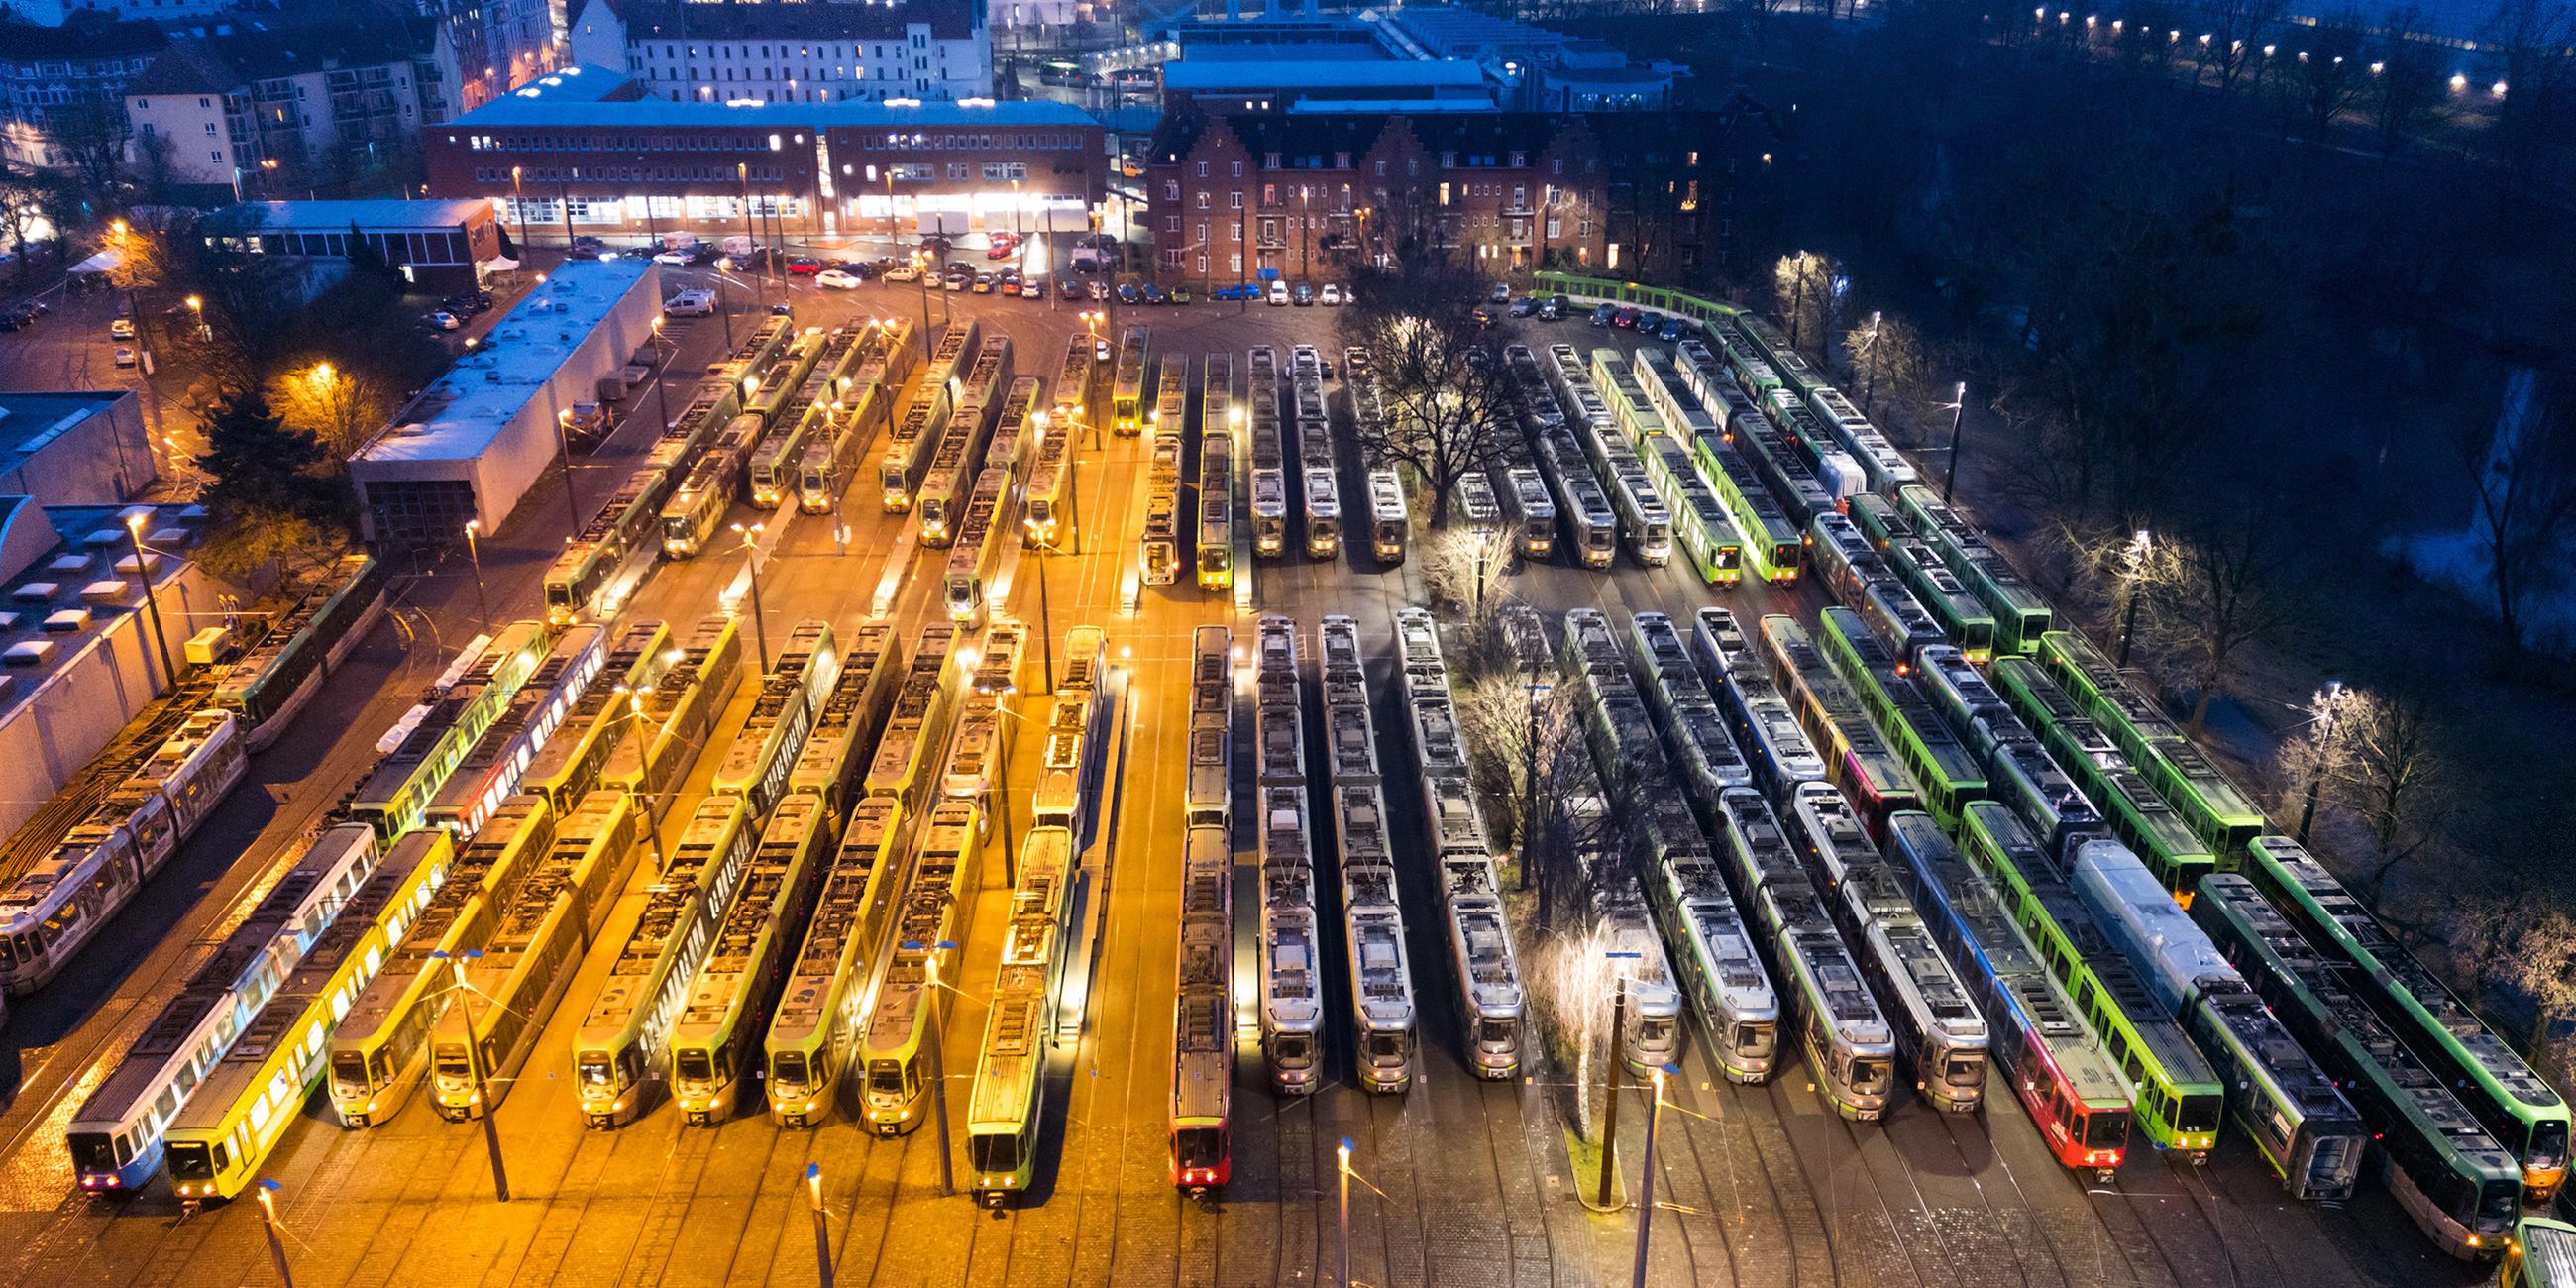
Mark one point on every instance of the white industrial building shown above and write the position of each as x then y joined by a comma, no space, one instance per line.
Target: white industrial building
473,443
938,50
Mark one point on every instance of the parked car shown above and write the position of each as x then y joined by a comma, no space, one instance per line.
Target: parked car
982,284
1238,291
1278,294
837,279
804,266
121,329
935,243
782,309
1033,289
1502,294
1180,295
441,321
1155,295
1128,294
124,355
1330,296
1602,315
1483,316
1627,318
1302,296
1524,306
959,282
1553,308
903,273
1099,290
1672,330
1004,246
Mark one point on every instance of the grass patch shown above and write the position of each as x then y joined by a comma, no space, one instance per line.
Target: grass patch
1584,1158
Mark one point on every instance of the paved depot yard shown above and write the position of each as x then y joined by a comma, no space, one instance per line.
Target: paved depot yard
1468,1181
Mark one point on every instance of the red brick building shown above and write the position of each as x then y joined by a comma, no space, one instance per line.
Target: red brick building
1645,194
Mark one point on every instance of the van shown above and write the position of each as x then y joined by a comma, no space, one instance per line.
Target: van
690,304
738,248
1278,293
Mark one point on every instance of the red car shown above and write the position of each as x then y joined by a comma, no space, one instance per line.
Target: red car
803,266
1004,246
1626,318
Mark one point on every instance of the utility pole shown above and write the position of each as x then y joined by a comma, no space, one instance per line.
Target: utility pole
1610,1097
822,1225
939,1073
1342,1253
2325,738
474,1063
474,552
2138,546
1958,418
151,601
1646,1187
268,1222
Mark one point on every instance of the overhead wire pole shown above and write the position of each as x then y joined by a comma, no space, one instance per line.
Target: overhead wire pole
1646,1188
822,1225
268,1223
1958,418
474,1065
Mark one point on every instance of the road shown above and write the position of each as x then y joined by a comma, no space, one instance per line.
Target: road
1466,1182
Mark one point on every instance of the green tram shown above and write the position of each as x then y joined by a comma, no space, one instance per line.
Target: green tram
2459,1185
2141,819
2021,615
2513,1103
2179,1101
1774,545
1002,1117
2542,1255
1942,767
2215,808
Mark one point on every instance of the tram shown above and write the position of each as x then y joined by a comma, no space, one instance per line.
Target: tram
713,1047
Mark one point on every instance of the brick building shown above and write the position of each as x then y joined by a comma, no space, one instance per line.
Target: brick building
1643,194
610,163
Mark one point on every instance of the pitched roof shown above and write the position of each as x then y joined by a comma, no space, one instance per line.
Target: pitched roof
255,52
85,34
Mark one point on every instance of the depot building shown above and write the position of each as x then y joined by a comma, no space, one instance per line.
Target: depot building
592,154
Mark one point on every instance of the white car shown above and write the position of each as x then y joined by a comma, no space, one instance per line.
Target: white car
442,321
903,273
1502,294
1329,296
676,257
1278,294
124,356
836,280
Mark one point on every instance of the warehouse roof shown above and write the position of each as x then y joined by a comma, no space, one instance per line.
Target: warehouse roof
457,418
538,103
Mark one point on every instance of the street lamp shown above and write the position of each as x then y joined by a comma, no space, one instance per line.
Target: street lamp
751,561
1958,418
197,316
474,551
151,601
938,1065
519,202
1610,1094
2139,547
474,1064
2330,705
1646,1187
268,1221
822,1227
1342,1252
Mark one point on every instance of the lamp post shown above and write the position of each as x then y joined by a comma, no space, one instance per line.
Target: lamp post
268,1222
2332,702
1342,1247
742,170
751,561
151,601
1869,356
197,316
938,1071
2139,546
822,1226
1958,418
1646,1187
1610,1096
563,458
474,551
474,1064
519,202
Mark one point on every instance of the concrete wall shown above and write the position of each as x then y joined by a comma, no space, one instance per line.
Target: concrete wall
103,459
48,733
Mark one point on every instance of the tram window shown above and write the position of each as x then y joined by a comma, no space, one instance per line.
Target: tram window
2101,1131
1753,1041
1961,1072
190,1161
692,1065
2203,1113
993,1154
91,1152
1291,1050
790,1068
2499,1202
452,1062
1494,1034
1385,1047
1200,1147
1654,1033
2548,1142
594,1069
1869,1077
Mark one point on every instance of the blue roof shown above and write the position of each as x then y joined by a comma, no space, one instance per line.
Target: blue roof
554,106
336,216
1225,77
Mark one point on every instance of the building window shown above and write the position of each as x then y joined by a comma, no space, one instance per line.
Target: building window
1235,199
1520,160
1237,170
1171,190
1172,223
1270,194
1203,265
1341,160
1202,169
1203,199
1448,160
1234,263
1444,194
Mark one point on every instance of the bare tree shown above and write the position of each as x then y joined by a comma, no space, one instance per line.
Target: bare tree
22,206
91,131
1887,356
1570,978
2326,77
2531,37
2406,79
342,406
2225,584
2231,35
1445,403
2396,774
2522,474
1808,296
1465,569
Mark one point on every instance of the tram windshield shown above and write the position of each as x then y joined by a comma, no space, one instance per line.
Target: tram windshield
596,1070
1199,1148
1494,1035
993,1155
1386,1048
2497,1203
1753,1040
1962,1071
349,1069
193,1160
1292,1051
2104,1130
1654,1034
92,1152
2203,1113
2548,1144
885,1077
788,1068
1869,1077
693,1066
